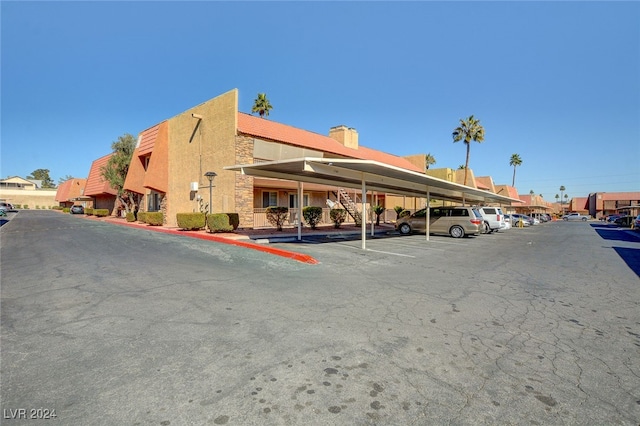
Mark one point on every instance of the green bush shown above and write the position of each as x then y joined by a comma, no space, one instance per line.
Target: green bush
398,210
88,211
131,217
219,222
55,208
377,210
142,217
404,213
338,216
17,206
154,218
101,212
277,216
312,215
234,220
191,221
26,206
66,210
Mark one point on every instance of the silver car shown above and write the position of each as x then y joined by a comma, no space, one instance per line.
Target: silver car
458,222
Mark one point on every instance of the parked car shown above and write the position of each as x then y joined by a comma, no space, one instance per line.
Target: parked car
636,223
576,216
520,220
4,207
493,219
76,210
458,222
612,217
625,221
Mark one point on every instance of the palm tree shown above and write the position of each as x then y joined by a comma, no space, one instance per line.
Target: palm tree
562,188
461,167
532,192
468,131
429,160
515,161
261,105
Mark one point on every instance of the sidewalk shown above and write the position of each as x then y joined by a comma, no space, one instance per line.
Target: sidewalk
258,239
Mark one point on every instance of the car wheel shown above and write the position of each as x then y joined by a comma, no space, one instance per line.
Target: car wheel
405,229
584,219
456,231
486,229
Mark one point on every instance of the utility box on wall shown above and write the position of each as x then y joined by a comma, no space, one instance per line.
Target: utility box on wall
194,186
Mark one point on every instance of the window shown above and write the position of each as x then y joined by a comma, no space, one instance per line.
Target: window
153,202
269,199
293,200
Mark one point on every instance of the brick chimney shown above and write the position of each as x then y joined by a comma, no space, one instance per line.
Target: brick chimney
347,136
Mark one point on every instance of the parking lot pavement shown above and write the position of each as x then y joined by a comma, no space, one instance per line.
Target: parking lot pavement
123,326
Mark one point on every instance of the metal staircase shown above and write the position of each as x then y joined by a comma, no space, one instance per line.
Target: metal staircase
349,205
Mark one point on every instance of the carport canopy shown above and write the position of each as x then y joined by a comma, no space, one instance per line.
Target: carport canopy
369,175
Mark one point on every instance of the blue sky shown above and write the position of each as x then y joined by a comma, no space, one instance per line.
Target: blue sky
556,82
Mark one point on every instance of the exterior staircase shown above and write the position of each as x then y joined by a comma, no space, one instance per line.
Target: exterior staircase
349,205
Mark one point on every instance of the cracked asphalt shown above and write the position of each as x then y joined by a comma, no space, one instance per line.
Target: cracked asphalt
112,325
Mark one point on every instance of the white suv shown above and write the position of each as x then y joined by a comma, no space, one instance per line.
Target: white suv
492,219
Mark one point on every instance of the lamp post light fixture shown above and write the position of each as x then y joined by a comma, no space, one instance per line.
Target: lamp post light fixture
210,176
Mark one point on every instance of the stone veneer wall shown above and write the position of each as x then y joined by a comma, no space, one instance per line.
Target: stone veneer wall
244,183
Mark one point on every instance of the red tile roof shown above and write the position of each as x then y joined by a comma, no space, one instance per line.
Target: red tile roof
148,140
271,130
71,188
96,185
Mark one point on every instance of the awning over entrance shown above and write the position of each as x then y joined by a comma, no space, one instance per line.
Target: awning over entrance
351,173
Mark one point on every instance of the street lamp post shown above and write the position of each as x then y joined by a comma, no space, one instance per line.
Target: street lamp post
210,176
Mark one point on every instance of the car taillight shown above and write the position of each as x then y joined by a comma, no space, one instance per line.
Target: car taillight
476,221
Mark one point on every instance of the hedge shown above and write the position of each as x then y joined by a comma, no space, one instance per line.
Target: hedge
312,215
219,222
66,209
142,217
191,221
88,211
277,216
234,220
101,212
154,218
131,217
338,216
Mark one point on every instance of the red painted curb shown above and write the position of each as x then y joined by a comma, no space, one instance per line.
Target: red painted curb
304,258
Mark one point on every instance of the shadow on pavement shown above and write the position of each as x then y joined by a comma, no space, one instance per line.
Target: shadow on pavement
631,256
3,221
618,234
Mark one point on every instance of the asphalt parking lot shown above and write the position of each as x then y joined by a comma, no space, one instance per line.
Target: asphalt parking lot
109,325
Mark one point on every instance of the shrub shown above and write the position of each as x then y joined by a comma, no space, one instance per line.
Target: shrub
234,220
101,212
398,210
88,211
277,216
219,222
17,206
312,215
191,221
377,210
37,207
131,217
55,208
142,217
66,210
404,213
26,206
154,218
338,216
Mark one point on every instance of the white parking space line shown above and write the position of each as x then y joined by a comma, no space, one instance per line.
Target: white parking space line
391,253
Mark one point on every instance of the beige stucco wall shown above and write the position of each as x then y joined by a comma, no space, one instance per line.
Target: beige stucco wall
43,198
210,148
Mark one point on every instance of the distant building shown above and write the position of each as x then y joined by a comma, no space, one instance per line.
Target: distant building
602,204
26,193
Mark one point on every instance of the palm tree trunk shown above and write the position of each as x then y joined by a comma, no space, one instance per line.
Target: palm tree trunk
466,164
513,182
